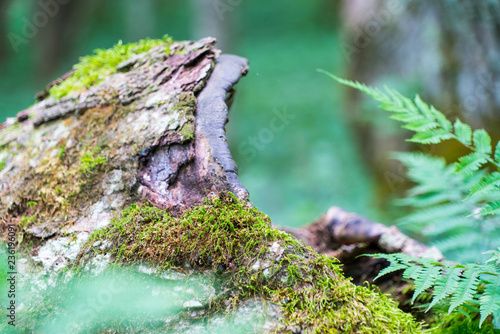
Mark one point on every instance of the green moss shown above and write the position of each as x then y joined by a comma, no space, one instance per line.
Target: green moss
94,68
91,159
187,104
62,149
26,221
237,242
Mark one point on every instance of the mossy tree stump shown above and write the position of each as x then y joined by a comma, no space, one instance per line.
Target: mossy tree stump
124,163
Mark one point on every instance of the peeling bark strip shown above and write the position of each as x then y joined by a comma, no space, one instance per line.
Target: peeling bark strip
211,117
338,228
177,173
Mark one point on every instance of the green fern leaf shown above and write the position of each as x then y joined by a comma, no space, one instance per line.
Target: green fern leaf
441,119
426,199
421,125
468,164
418,161
396,99
412,272
466,289
462,240
492,208
376,94
463,132
434,136
487,184
435,213
406,117
446,226
425,280
490,299
394,108
397,262
424,108
445,286
497,153
482,141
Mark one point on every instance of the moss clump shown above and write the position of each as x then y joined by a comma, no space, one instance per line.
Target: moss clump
94,68
187,104
238,242
223,231
90,160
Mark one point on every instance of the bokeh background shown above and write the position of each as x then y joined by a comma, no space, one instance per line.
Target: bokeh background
302,142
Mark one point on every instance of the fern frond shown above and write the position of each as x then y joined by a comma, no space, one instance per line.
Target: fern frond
375,93
425,200
451,283
487,184
463,132
495,257
422,168
441,119
490,299
435,213
492,208
466,289
428,276
447,225
445,196
424,108
482,141
412,272
462,240
420,125
445,286
497,153
434,136
409,118
398,261
468,164
430,125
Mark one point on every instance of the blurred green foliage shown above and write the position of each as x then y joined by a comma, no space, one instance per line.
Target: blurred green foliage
312,163
118,300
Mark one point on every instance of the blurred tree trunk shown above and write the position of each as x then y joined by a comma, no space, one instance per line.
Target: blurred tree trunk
214,18
55,38
140,19
4,46
449,49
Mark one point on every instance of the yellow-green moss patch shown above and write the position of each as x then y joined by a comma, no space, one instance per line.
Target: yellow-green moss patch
237,241
94,68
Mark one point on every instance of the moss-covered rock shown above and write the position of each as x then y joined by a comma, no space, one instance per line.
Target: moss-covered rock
123,174
238,243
